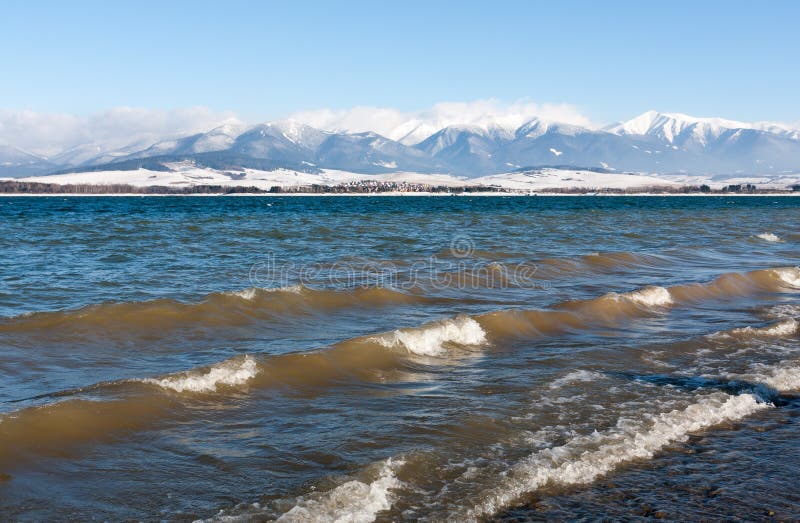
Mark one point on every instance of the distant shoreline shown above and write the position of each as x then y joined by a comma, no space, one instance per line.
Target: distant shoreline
396,194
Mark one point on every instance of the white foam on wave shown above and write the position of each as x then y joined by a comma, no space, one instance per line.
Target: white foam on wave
585,458
650,297
788,275
576,376
785,310
778,329
250,293
245,294
354,501
430,340
768,237
294,289
783,377
231,373
781,328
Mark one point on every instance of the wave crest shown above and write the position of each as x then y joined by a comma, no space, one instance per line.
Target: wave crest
431,340
788,275
768,237
649,297
355,501
778,329
251,293
228,373
586,458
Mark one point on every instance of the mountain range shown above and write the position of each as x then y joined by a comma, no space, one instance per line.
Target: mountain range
654,143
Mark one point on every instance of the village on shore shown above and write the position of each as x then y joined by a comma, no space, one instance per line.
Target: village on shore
15,187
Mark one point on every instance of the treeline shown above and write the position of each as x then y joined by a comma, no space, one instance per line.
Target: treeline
15,187
381,187
18,187
669,189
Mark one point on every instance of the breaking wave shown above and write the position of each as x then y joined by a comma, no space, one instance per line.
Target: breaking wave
609,309
768,237
632,303
789,276
231,373
432,340
778,329
374,358
784,377
735,284
355,501
585,458
251,293
233,308
649,297
782,311
148,400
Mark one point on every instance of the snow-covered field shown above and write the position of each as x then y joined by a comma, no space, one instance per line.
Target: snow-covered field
566,179
186,174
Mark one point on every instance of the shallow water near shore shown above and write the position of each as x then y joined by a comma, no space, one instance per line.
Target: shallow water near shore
399,358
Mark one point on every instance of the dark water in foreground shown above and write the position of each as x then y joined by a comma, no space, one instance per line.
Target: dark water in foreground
399,358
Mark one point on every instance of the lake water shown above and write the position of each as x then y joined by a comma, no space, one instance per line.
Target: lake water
399,358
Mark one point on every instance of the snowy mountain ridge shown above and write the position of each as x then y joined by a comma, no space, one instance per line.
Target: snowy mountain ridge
671,127
653,142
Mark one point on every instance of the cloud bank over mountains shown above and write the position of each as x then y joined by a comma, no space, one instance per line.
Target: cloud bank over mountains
478,138
48,134
414,126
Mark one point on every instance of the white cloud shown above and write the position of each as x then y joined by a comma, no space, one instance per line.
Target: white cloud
50,133
397,124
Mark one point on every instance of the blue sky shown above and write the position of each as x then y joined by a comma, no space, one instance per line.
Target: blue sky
612,60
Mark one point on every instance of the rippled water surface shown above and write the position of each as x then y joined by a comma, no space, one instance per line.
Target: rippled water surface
399,358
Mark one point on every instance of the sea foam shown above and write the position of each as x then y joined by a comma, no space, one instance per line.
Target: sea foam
250,293
788,275
585,458
778,329
784,310
354,501
431,340
576,376
783,377
231,373
649,297
768,237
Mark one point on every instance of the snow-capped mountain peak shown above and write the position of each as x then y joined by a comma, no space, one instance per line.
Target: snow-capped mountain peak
538,127
676,128
295,131
232,128
672,127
